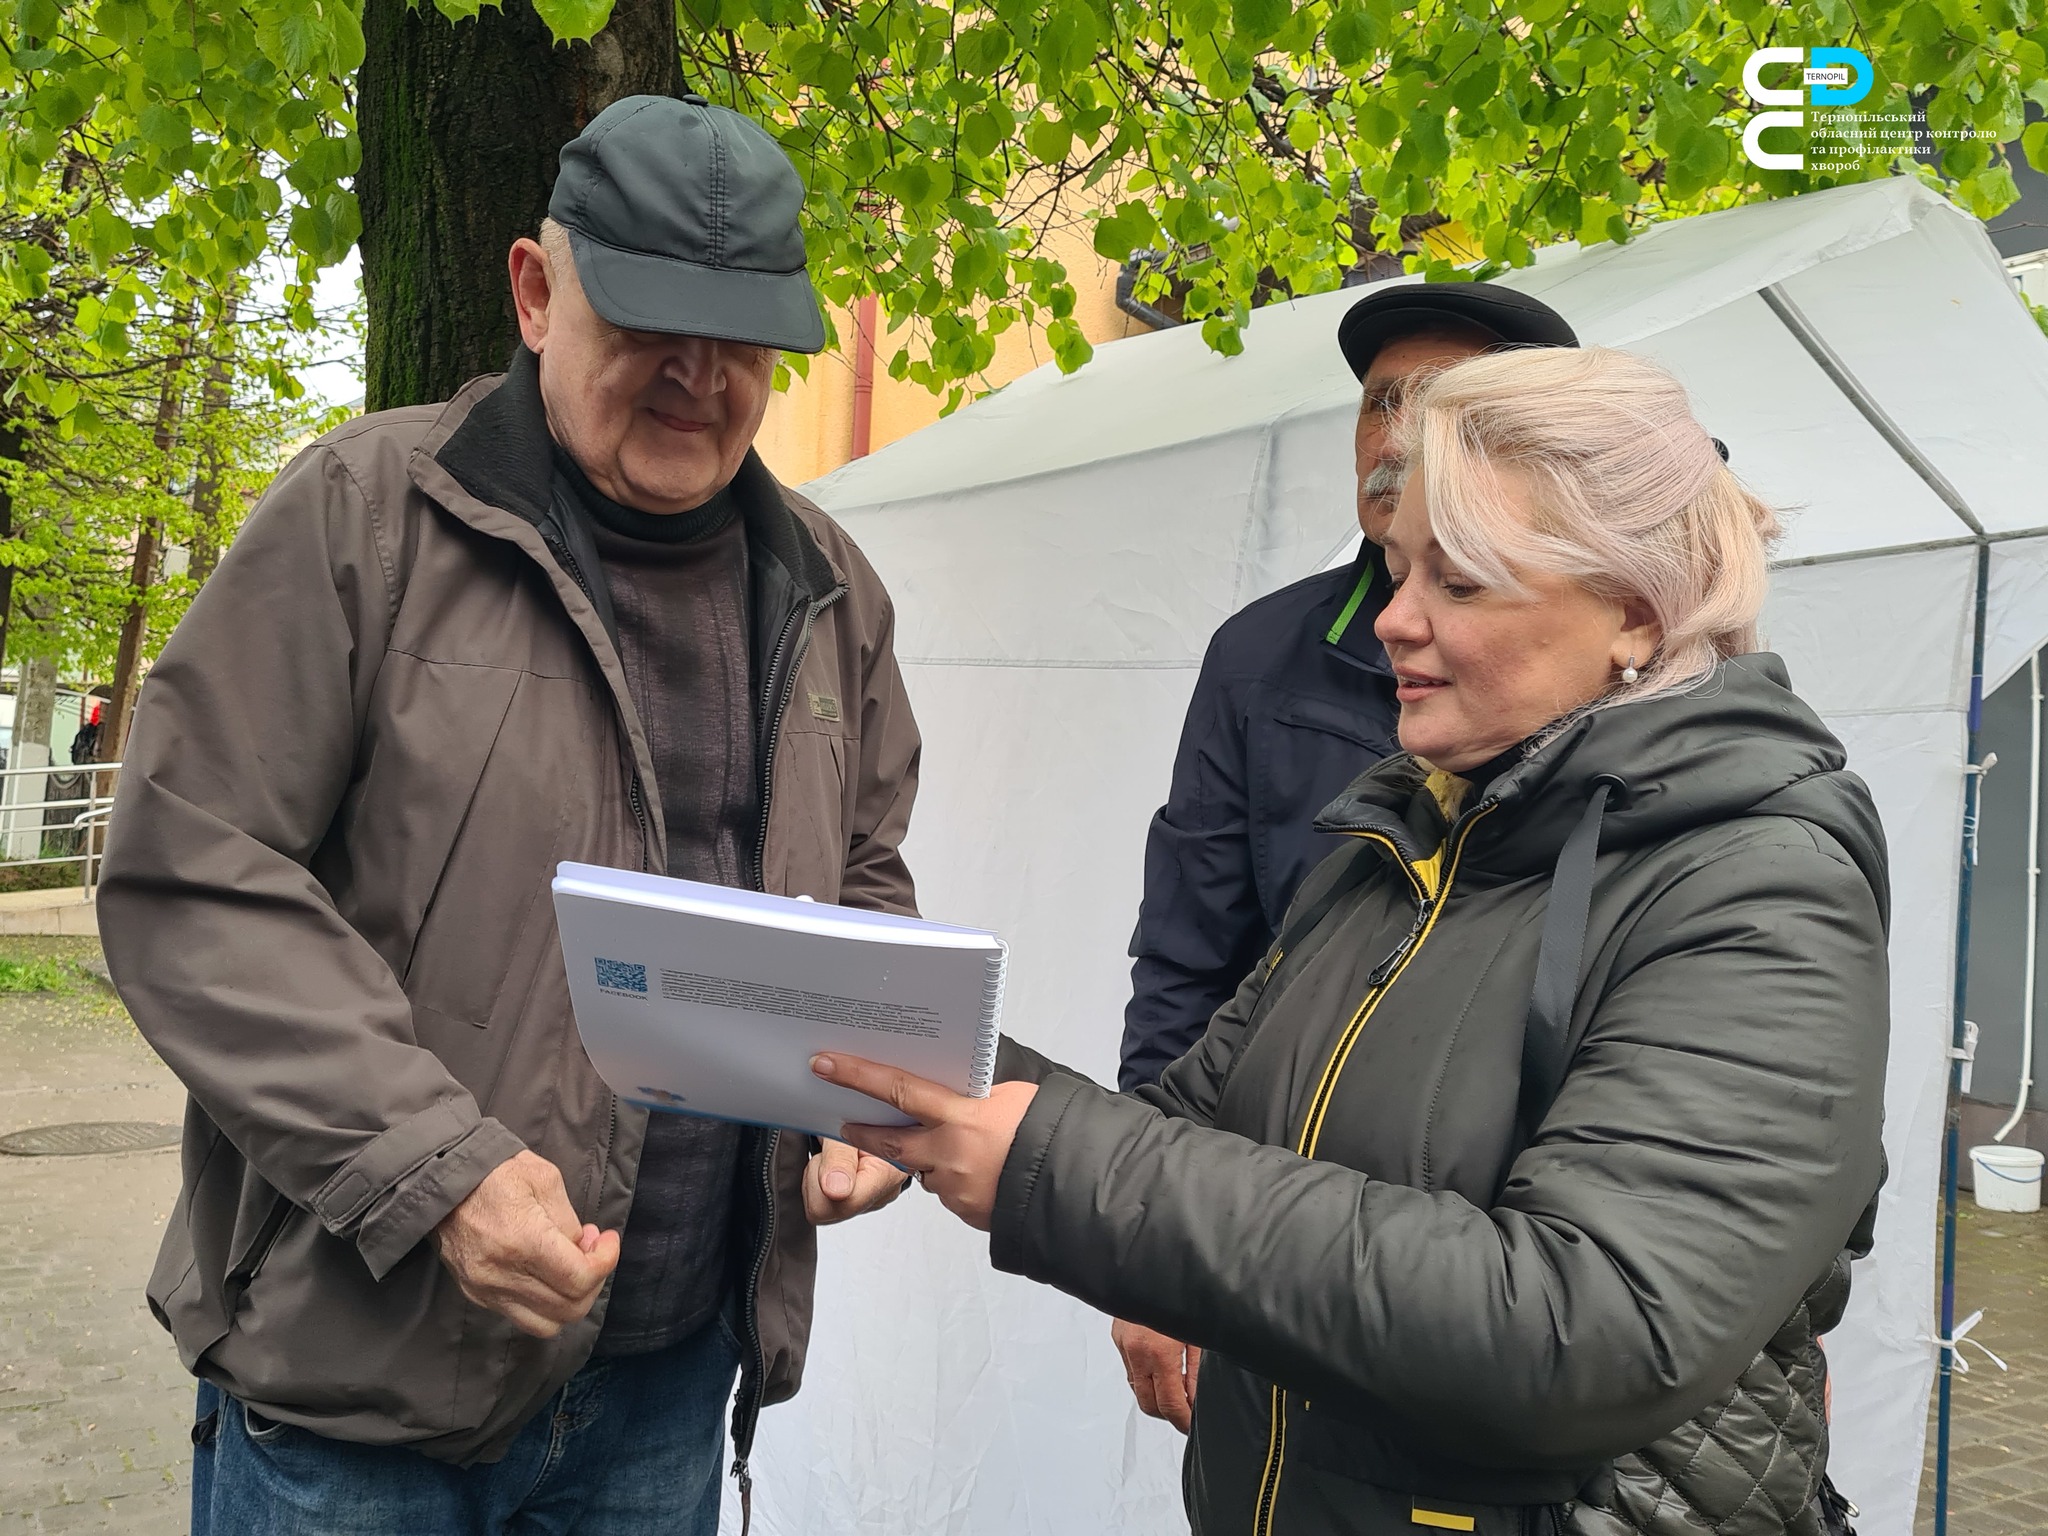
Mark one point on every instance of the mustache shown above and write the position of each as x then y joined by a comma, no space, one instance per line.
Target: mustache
1384,480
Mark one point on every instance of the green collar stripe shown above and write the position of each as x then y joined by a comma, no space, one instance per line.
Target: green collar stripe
1351,607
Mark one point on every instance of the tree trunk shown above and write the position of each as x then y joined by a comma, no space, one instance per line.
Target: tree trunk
170,401
461,124
13,445
35,701
213,404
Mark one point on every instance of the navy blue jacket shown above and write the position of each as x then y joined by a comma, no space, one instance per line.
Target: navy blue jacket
1295,701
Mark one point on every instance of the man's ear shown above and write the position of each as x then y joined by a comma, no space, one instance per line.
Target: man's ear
533,288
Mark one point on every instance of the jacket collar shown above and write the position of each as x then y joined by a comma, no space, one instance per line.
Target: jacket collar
1344,623
1740,743
497,446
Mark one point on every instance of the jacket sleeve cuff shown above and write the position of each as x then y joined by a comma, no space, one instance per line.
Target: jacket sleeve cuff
398,1188
1007,1246
1020,1064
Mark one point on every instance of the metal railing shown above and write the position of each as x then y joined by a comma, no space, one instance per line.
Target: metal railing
47,823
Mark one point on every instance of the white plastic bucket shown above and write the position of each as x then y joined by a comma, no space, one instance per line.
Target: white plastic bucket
2008,1178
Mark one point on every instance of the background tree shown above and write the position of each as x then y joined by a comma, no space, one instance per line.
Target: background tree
460,128
143,408
1254,146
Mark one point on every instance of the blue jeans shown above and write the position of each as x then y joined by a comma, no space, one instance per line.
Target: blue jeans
631,1446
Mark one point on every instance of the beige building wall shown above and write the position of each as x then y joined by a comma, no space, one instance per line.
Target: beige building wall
809,428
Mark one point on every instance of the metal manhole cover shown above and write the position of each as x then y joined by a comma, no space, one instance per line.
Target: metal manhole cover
89,1136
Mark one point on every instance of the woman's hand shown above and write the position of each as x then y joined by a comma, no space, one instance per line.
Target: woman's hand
957,1147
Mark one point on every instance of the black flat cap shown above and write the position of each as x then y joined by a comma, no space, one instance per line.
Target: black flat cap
1388,312
683,219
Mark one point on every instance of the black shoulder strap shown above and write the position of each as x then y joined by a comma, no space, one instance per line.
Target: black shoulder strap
1304,921
1546,1037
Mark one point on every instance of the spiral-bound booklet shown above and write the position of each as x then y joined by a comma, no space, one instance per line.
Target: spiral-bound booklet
706,1000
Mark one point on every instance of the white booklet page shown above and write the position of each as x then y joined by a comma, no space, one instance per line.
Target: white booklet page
708,1000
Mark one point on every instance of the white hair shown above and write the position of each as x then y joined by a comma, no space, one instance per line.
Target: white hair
1629,496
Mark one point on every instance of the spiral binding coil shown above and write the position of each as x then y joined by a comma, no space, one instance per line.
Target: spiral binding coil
981,1074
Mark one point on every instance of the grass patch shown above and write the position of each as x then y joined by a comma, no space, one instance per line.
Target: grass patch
37,877
36,976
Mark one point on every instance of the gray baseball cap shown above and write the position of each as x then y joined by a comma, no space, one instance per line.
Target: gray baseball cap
683,218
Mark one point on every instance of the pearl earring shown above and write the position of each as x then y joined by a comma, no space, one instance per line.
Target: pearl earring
1629,673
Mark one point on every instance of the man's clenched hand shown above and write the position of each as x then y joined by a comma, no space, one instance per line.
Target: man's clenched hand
1161,1371
840,1182
515,1246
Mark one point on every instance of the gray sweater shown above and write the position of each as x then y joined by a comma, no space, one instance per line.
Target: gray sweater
678,586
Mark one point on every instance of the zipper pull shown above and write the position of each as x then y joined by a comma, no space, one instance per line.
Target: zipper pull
1387,967
745,1479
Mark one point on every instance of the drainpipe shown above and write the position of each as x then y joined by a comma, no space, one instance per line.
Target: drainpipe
863,375
2033,913
1128,301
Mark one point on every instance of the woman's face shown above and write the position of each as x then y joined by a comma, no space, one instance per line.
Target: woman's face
1479,670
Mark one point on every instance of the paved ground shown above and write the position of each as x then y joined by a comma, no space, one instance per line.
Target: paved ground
1999,1442
94,1408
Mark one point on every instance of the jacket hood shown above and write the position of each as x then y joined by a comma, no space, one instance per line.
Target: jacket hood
1741,743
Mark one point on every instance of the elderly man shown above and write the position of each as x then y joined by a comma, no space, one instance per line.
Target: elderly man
431,1274
1294,701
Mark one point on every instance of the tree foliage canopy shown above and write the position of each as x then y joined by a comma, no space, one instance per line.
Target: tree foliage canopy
1249,146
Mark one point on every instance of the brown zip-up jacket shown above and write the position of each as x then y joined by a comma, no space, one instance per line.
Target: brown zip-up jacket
394,708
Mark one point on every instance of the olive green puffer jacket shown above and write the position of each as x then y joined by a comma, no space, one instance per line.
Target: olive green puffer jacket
1438,1291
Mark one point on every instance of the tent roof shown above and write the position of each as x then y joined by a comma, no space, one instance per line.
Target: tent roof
1903,287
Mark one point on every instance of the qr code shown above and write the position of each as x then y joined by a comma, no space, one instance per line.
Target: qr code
620,976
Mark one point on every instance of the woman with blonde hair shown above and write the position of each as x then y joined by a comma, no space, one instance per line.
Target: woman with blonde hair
1512,1190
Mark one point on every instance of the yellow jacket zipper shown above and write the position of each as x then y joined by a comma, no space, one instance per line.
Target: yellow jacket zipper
1382,981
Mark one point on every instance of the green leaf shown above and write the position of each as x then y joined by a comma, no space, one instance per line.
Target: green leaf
981,133
170,67
1048,139
978,268
1067,42
1699,158
348,38
574,21
1594,217
1255,21
37,19
983,50
912,184
1123,231
302,37
1671,17
2035,143
165,127
1352,36
1070,345
123,22
1923,24
1377,124
1223,334
312,231
57,104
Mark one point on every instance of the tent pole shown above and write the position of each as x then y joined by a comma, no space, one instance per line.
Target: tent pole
1973,782
1852,388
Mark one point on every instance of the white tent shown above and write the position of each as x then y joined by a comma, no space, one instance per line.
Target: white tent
1060,553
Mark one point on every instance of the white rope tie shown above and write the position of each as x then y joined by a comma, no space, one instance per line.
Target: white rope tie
1962,1336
